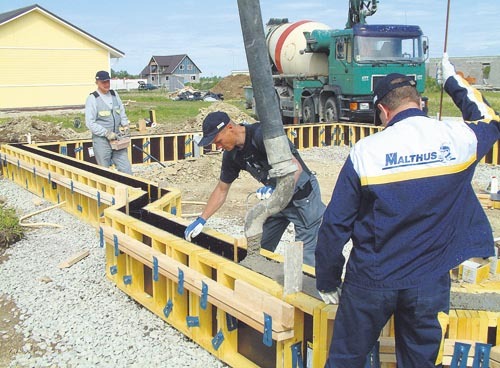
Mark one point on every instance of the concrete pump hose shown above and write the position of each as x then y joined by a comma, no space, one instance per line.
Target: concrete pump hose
258,214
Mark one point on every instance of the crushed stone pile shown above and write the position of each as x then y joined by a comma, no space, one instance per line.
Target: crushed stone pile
17,130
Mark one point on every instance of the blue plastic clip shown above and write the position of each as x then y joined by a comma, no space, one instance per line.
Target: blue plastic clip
204,295
180,286
49,179
321,130
127,279
113,270
71,187
117,249
192,321
188,154
78,149
79,208
373,358
267,339
293,133
481,355
101,237
64,150
217,340
98,199
231,322
323,143
146,144
146,158
168,308
34,171
460,353
43,192
189,140
297,355
18,164
155,269
173,210
113,201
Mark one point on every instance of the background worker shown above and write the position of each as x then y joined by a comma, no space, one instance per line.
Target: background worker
104,115
243,146
404,197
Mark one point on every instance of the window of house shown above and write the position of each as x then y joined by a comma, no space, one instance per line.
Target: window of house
181,67
152,78
193,77
166,78
190,67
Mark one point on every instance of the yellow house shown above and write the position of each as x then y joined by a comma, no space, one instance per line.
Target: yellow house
47,62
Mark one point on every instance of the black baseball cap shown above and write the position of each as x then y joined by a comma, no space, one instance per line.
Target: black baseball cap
102,75
212,125
386,85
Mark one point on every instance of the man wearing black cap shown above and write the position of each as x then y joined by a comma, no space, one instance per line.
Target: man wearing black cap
244,150
404,197
104,115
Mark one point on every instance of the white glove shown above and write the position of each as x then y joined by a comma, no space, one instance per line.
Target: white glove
111,135
264,192
194,229
445,70
126,130
331,297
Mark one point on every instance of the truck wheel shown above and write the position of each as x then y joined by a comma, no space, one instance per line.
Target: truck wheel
308,111
331,112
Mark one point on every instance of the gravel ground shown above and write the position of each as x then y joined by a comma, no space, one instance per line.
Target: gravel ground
76,317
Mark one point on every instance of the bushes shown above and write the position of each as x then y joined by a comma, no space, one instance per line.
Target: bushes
10,230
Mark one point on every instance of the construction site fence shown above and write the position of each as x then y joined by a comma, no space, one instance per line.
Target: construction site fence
178,146
235,313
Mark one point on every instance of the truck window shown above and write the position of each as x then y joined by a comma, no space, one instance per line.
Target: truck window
387,49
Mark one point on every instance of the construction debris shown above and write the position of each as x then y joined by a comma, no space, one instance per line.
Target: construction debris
74,259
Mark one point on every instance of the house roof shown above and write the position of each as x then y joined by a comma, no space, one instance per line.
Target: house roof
169,62
14,14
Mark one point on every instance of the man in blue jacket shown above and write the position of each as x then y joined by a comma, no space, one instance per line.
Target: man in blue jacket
404,197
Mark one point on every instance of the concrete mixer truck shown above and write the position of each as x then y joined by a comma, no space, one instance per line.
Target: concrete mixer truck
326,75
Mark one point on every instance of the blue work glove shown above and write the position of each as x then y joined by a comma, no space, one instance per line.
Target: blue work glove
194,229
264,192
331,297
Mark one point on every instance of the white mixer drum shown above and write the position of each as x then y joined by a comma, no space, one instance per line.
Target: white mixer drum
285,43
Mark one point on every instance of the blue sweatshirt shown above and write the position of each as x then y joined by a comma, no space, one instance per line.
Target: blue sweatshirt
404,197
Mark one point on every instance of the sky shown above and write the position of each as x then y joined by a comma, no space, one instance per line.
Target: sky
209,32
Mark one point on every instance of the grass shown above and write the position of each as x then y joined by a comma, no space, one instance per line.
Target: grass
178,112
10,230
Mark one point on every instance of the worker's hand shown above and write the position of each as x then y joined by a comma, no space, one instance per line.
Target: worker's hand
126,130
331,297
111,136
194,229
445,70
264,192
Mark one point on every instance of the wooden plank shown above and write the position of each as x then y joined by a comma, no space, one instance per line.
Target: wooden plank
218,295
453,324
293,268
74,259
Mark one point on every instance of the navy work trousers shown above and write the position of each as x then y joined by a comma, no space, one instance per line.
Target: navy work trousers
362,313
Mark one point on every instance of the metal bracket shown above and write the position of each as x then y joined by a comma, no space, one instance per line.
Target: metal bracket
180,285
297,360
155,269
481,355
98,199
147,143
101,237
43,192
168,308
188,154
460,353
34,171
113,201
267,338
78,149
113,270
189,140
117,249
72,187
192,321
373,358
64,150
127,279
173,210
217,340
79,208
204,295
231,322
